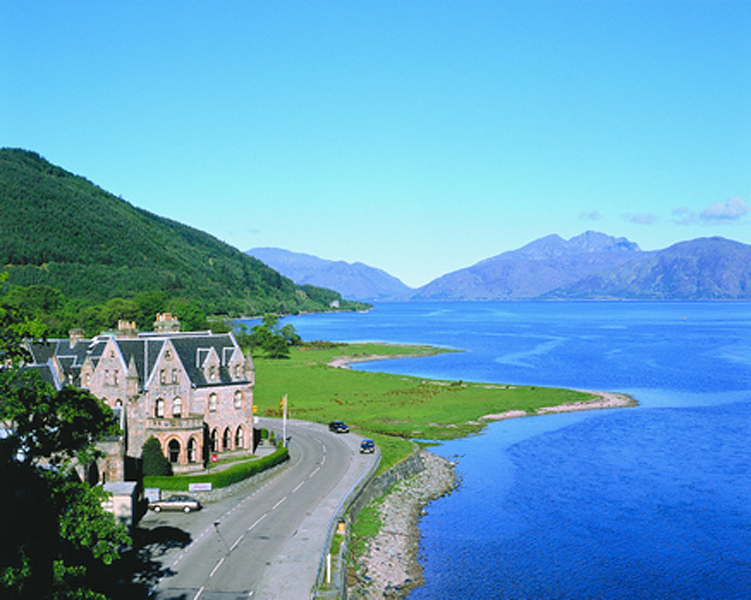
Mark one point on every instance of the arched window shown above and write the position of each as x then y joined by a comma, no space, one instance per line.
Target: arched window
238,399
214,440
239,438
227,439
174,451
212,402
159,410
177,407
192,450
118,403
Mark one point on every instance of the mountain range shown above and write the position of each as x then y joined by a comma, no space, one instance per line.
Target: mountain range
590,266
355,281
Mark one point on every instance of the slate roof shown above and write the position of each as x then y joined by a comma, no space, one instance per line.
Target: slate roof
145,353
192,349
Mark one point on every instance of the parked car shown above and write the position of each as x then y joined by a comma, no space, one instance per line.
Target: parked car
367,447
338,427
184,503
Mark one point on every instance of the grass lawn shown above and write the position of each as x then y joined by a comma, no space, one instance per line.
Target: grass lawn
389,408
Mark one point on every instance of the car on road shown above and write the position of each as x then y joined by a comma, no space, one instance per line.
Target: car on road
185,504
367,446
338,427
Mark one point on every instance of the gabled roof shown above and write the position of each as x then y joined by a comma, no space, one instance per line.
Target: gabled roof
192,349
144,352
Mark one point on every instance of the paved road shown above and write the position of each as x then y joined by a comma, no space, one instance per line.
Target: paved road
265,542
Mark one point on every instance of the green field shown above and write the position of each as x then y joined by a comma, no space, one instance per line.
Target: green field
391,409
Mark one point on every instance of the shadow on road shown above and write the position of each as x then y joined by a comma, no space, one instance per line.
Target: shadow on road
140,567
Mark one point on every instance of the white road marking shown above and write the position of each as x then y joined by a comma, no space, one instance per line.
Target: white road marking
258,520
278,503
236,543
314,472
219,564
299,485
198,594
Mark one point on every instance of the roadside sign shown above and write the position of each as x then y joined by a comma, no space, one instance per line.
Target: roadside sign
199,487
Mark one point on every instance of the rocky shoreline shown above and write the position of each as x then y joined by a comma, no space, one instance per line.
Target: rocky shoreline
389,567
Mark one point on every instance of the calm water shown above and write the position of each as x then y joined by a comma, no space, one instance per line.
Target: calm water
649,502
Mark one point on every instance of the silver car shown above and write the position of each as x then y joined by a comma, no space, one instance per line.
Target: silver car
185,504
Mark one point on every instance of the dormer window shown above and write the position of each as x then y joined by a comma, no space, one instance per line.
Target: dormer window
212,373
163,376
174,375
238,399
159,409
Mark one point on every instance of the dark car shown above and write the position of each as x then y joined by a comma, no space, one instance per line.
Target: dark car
185,504
367,447
338,427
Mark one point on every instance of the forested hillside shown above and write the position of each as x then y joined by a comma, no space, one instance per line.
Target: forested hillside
60,231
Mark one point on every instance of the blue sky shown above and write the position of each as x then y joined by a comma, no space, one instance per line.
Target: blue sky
417,137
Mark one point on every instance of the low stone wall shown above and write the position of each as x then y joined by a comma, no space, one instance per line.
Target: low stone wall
374,488
218,494
379,485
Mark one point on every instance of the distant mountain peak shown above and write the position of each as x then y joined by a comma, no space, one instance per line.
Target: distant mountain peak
594,241
354,281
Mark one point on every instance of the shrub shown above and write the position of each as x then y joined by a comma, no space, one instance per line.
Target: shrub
154,461
220,479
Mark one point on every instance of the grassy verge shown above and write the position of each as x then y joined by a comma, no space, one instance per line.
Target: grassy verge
365,527
389,408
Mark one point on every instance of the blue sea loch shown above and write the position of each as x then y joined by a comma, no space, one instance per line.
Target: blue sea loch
645,502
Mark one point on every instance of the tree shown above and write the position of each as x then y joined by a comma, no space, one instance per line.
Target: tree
154,461
269,337
55,531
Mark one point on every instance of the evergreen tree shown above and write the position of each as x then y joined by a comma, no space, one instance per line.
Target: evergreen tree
155,464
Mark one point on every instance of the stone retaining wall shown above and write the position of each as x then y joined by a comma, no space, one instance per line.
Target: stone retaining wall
379,485
374,488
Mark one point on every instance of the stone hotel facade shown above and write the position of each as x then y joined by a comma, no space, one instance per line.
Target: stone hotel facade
193,391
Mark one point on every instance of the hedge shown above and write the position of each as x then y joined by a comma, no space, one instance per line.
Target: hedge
220,479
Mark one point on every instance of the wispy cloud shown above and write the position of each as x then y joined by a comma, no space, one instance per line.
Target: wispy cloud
640,218
725,212
684,216
592,215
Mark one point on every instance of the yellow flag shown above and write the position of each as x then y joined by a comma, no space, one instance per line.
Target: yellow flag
283,403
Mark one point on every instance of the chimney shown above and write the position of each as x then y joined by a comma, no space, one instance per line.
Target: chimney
126,329
74,335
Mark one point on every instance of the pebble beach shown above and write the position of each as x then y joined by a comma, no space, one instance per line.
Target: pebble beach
389,567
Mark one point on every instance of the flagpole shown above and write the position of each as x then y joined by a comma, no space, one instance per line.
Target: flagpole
284,420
